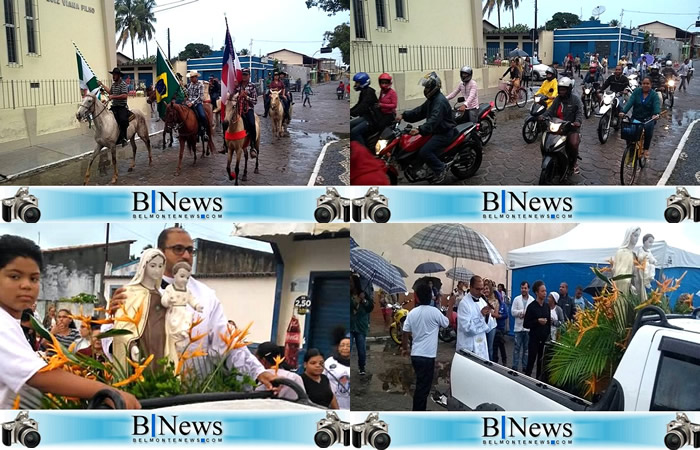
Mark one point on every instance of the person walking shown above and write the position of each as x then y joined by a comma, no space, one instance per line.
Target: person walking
307,91
538,319
683,72
362,304
423,323
520,333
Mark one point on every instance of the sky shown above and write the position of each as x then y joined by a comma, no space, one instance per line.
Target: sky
272,24
52,235
650,10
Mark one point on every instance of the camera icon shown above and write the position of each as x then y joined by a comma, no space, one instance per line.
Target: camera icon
373,206
23,206
681,206
681,432
331,430
22,430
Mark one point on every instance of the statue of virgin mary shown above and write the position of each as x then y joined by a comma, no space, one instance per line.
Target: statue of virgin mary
625,263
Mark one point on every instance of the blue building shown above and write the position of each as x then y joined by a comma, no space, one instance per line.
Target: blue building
211,66
592,37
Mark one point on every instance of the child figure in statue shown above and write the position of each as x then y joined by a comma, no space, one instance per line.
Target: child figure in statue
178,318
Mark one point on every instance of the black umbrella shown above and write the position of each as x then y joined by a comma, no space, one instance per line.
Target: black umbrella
594,287
429,267
424,280
401,271
518,53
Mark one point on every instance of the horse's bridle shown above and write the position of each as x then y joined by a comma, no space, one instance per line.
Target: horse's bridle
177,125
87,110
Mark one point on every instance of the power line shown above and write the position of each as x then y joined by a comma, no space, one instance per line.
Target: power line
666,13
156,10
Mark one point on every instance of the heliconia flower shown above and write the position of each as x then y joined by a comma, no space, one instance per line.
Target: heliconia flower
196,337
58,360
593,386
104,321
188,355
138,372
82,317
15,404
584,330
278,360
136,319
640,265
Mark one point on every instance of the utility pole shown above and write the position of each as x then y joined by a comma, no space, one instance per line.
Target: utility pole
535,43
619,36
168,44
104,266
250,58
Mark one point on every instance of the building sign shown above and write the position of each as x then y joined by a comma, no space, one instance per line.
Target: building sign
74,5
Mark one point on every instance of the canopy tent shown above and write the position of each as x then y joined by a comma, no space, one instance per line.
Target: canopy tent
570,256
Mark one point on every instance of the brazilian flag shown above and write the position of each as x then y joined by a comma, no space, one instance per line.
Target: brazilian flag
166,85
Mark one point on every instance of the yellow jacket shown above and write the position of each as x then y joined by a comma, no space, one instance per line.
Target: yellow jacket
544,90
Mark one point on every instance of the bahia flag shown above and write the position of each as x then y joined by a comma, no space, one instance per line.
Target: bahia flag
230,71
87,77
167,88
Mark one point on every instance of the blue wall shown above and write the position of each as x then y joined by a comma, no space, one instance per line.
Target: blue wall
583,38
211,66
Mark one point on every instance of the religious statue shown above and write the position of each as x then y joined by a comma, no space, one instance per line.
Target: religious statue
646,258
142,313
178,319
626,263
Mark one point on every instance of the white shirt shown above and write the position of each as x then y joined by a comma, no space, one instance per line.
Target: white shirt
285,391
424,323
339,376
519,306
492,320
15,353
472,328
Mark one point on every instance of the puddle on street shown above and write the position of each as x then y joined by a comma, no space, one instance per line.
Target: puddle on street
310,142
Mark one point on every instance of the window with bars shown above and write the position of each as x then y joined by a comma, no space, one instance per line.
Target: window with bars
381,14
358,9
32,28
400,9
10,31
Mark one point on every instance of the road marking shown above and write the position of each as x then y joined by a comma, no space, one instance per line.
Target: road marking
319,161
674,159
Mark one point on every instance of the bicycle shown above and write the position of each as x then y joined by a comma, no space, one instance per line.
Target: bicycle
633,158
505,95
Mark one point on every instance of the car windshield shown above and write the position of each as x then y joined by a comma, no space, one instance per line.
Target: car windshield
534,61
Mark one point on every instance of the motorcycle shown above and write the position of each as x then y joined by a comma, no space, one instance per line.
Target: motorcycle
533,127
398,317
612,103
670,89
634,81
400,152
486,117
590,99
340,92
448,333
555,161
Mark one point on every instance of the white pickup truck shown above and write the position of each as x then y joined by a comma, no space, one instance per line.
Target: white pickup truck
660,371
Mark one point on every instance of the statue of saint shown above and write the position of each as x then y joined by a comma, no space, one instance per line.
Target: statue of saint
644,254
625,263
178,319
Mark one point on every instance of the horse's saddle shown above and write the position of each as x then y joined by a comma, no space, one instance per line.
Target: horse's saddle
132,116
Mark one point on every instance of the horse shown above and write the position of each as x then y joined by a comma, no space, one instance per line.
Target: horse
151,99
236,139
107,132
209,112
185,120
276,113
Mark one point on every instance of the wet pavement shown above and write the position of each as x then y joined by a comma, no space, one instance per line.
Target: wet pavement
390,379
508,160
289,160
687,169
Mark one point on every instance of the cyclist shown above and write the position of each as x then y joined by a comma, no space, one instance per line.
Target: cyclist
515,74
468,89
365,110
568,107
549,86
646,105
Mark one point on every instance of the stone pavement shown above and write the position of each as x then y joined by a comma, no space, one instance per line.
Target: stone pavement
687,170
289,160
335,168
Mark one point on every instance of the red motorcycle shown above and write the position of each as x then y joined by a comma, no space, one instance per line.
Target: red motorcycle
487,119
400,152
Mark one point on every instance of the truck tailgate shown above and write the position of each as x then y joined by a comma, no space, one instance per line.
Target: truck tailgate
475,382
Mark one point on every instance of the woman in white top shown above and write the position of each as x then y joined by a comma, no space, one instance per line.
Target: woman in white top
337,368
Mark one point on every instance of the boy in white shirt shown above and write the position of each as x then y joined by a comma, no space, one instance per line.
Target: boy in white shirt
423,322
20,270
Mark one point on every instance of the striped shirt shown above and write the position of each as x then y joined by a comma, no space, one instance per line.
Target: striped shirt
251,92
68,339
195,92
119,88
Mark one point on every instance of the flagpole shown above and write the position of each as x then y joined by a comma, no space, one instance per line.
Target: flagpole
167,62
86,63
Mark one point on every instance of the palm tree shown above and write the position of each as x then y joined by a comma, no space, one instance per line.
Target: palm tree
512,5
126,23
614,23
146,19
489,5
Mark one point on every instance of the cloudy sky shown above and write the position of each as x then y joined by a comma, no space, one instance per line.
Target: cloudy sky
679,13
54,235
272,24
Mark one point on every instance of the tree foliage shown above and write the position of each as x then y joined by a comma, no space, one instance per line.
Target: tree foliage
330,6
614,23
562,20
145,18
519,28
489,5
126,23
340,38
193,50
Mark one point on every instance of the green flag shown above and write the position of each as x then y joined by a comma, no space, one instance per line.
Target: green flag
166,85
87,77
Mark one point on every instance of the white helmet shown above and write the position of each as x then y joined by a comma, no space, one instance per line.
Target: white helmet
566,82
669,63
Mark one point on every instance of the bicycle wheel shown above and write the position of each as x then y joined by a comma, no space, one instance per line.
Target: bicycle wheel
501,100
522,98
628,165
640,151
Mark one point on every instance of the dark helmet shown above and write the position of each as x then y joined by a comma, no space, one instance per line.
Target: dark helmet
431,84
566,83
550,71
362,79
465,73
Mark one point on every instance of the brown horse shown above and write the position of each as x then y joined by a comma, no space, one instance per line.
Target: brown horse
185,120
237,140
151,100
209,112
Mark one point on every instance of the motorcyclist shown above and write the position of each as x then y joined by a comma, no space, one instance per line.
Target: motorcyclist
364,110
616,82
568,107
439,123
388,100
593,76
629,69
669,71
657,81
549,86
645,107
469,90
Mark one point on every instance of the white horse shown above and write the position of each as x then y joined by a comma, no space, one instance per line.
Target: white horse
107,132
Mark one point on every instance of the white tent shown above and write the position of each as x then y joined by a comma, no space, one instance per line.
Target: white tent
676,245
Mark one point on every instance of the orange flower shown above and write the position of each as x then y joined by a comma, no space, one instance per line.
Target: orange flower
584,330
640,265
278,361
593,386
82,317
15,404
138,372
136,319
104,321
188,355
196,337
58,360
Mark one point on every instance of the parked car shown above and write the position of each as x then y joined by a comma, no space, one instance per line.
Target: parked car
659,371
538,69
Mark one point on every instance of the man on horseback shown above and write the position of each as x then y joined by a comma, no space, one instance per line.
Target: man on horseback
195,99
248,97
266,95
278,85
118,94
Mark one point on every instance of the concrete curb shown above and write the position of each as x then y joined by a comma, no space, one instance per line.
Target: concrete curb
319,161
674,159
59,162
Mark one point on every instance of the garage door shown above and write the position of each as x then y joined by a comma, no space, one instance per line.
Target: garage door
330,307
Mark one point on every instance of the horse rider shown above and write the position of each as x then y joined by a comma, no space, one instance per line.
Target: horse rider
287,91
118,93
214,90
278,85
195,99
266,96
249,98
